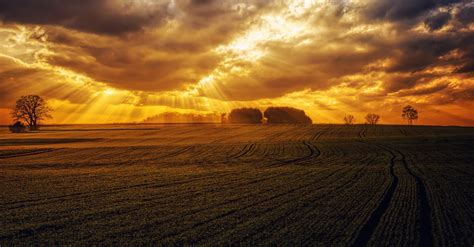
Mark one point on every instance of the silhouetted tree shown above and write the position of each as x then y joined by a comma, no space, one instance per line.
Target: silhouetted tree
224,118
245,115
280,115
18,127
410,114
372,118
31,109
349,119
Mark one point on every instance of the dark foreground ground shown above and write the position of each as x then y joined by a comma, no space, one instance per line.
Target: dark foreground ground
221,184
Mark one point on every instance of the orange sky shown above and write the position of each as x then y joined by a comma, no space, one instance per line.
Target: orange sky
102,61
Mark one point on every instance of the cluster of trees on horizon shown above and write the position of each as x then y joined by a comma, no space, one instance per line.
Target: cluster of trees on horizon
409,114
370,118
31,109
272,115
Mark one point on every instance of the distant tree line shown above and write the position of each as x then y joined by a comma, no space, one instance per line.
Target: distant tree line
409,114
349,119
272,115
30,110
290,115
370,118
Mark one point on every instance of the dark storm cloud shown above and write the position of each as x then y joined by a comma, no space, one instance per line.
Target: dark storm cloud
227,14
424,91
466,94
416,53
136,69
466,15
419,51
466,68
97,16
451,95
395,83
397,10
437,21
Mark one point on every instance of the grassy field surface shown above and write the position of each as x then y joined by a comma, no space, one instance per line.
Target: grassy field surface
329,185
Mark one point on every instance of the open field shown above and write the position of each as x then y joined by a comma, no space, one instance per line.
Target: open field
238,184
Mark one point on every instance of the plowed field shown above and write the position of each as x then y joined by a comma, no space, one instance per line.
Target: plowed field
329,185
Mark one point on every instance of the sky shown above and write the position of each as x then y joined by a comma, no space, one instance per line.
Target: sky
113,61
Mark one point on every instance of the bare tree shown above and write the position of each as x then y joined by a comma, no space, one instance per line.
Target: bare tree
31,109
372,118
410,114
349,119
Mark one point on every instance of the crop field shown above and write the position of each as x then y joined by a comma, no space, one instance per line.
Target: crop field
327,185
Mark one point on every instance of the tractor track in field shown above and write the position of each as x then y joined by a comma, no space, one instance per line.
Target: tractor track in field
244,151
239,152
279,221
176,153
230,137
403,131
74,196
371,224
220,204
317,136
29,153
362,132
252,205
58,225
314,153
425,228
426,237
425,233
